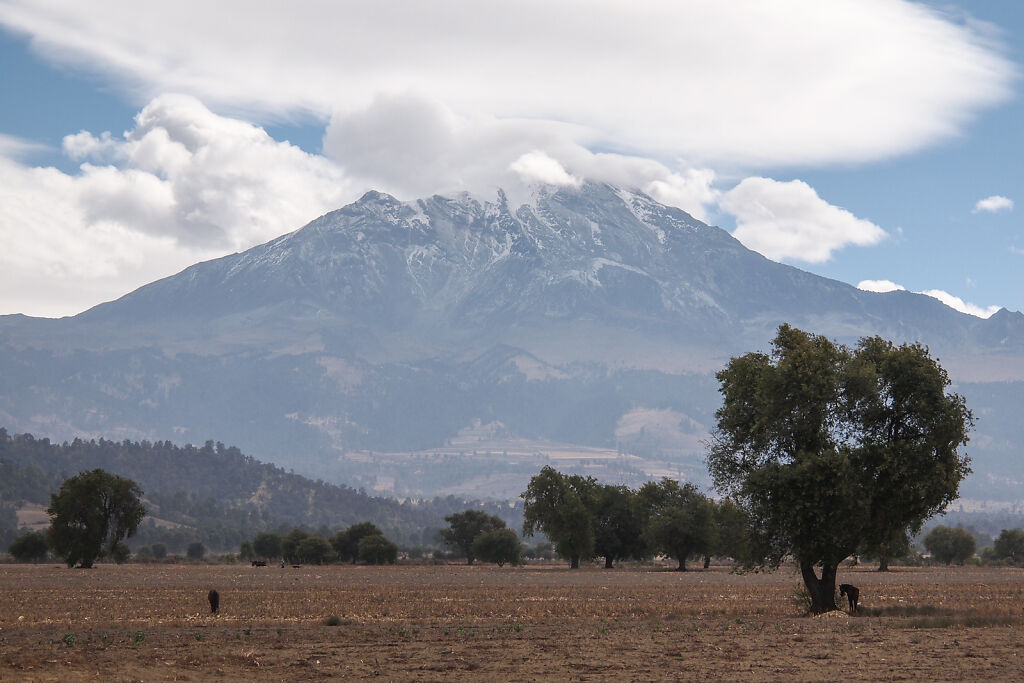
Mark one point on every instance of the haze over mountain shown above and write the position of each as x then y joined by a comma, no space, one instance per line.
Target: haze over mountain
583,317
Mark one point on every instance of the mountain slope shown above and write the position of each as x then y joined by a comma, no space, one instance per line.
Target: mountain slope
394,326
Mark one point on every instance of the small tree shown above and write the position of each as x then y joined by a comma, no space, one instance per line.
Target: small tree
896,546
90,514
561,506
1008,546
267,545
159,551
246,552
290,545
144,554
464,527
618,525
195,550
733,536
375,549
498,546
346,543
120,552
29,547
315,550
680,519
949,545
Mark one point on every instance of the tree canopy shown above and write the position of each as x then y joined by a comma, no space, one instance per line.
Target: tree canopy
949,545
560,506
681,520
828,448
1008,546
499,546
29,547
464,527
91,514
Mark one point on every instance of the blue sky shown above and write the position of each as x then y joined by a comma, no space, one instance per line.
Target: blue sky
853,139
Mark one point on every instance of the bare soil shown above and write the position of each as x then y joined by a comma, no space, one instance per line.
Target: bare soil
152,622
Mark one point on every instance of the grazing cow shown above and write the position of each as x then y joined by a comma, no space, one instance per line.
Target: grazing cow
852,594
214,598
259,563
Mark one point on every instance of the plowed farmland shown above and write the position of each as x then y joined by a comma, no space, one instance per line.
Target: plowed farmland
152,622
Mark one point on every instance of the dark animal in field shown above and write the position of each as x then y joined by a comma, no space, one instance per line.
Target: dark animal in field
852,594
214,598
259,563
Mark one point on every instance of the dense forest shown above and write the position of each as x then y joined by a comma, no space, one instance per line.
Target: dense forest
214,493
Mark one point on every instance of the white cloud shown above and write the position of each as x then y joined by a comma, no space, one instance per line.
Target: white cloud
994,204
413,146
948,299
181,186
880,286
700,81
14,148
789,221
959,304
538,167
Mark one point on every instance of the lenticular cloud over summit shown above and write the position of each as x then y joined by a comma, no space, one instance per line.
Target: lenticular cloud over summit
637,75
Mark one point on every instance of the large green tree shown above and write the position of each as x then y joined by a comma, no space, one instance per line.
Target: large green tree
464,527
681,520
829,448
91,514
618,524
561,506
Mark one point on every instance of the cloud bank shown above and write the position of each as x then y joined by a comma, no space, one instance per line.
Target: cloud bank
745,83
183,185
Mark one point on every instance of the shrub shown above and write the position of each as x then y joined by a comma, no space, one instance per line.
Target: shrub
498,546
376,549
29,547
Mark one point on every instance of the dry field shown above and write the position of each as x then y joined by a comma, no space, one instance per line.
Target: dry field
151,622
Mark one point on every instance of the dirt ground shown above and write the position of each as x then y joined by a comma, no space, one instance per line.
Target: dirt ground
152,622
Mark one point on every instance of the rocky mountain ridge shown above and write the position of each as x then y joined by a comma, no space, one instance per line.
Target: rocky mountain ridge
393,326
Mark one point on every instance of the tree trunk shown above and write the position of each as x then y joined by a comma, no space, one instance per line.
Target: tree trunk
574,562
608,561
469,560
883,564
682,564
823,590
707,561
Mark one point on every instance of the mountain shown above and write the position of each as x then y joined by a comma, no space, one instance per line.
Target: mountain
453,344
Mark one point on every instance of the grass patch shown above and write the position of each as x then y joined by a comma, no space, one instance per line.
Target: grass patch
966,620
904,611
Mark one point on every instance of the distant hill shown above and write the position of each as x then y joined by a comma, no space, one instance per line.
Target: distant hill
364,347
215,493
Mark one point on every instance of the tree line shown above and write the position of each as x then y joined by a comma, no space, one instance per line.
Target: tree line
586,519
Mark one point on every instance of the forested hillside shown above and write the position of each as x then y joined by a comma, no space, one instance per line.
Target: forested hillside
216,494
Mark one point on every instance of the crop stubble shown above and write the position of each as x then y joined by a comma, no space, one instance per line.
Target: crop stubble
138,622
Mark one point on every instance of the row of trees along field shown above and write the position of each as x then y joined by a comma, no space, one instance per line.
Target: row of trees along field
586,519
